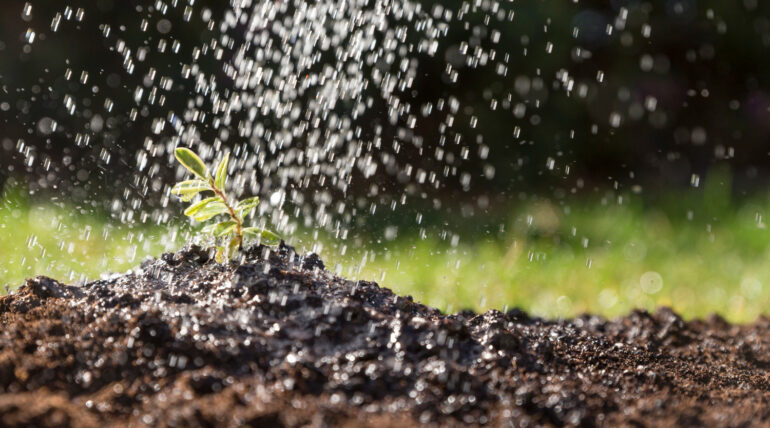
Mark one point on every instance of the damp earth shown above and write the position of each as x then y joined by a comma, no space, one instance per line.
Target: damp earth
275,339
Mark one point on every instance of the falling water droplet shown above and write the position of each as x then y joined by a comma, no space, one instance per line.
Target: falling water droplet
56,22
29,36
26,13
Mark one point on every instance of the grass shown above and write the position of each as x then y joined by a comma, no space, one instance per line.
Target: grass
619,258
70,243
697,252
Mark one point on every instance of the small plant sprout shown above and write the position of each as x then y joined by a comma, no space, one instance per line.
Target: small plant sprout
230,231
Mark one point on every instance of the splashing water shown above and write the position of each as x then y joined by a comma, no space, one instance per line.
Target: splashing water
318,103
348,117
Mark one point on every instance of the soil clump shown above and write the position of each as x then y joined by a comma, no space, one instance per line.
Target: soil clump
276,340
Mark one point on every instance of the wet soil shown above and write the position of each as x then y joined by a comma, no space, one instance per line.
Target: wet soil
277,340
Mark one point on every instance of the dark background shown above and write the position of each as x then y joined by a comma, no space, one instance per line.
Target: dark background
705,64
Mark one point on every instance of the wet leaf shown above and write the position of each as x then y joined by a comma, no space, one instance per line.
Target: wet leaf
189,188
245,206
212,209
266,236
221,173
225,230
200,205
220,229
188,197
192,162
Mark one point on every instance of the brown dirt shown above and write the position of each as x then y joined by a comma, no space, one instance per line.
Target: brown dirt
276,340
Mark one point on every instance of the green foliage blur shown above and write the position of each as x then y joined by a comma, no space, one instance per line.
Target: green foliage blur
696,252
70,242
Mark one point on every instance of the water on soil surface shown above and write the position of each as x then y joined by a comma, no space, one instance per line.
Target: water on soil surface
278,340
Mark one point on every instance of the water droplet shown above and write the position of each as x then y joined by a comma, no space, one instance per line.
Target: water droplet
56,22
46,126
26,13
651,282
29,36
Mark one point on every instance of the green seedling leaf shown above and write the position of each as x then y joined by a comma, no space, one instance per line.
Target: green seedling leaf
229,233
245,206
212,209
225,231
192,162
220,175
245,212
189,188
187,198
220,229
267,236
200,205
217,228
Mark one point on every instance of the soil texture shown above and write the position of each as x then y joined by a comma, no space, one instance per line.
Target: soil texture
277,340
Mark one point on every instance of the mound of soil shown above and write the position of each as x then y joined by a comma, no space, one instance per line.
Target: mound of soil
276,340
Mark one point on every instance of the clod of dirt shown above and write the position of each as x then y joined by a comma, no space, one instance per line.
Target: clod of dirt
276,340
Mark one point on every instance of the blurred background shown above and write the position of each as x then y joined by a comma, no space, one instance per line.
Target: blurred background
591,156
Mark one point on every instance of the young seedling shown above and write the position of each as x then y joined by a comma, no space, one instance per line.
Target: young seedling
232,230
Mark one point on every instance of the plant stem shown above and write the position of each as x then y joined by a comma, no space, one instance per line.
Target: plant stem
238,222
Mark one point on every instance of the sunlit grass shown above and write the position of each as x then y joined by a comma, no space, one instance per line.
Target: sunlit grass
632,260
67,243
697,257
547,259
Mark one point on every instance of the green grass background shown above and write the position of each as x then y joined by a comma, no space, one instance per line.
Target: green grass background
699,252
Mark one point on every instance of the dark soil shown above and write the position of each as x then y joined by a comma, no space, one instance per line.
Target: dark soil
279,341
